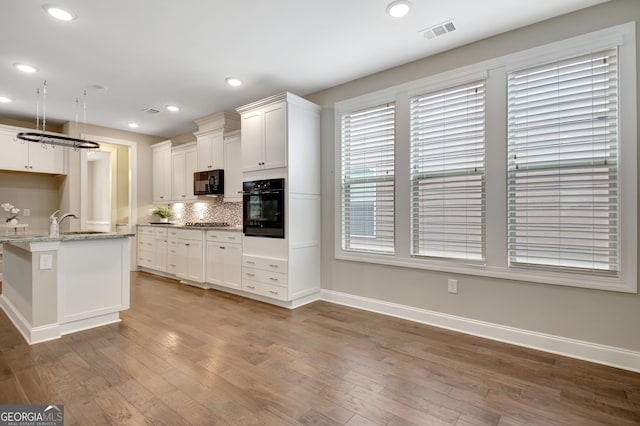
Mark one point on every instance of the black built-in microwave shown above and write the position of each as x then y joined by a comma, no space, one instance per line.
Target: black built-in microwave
208,183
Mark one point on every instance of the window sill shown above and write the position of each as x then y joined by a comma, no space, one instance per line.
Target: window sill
569,279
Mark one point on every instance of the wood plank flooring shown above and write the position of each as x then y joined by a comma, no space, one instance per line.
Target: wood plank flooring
182,355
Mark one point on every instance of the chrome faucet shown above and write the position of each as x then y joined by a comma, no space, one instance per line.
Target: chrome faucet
66,215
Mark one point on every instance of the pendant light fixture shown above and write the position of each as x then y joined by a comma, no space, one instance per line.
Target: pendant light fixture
44,138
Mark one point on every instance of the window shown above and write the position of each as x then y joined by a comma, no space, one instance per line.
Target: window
563,164
447,173
521,167
367,179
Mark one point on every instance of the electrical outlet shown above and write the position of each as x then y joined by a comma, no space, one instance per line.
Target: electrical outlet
452,286
46,261
26,212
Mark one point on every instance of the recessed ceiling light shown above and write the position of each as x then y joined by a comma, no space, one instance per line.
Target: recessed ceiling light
233,81
398,9
25,68
59,13
133,125
173,108
5,100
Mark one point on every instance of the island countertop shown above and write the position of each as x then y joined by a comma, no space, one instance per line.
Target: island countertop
28,237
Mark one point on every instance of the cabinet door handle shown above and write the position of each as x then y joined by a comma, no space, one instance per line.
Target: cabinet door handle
221,248
187,245
162,196
26,167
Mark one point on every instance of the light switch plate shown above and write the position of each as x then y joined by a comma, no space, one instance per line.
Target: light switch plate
46,261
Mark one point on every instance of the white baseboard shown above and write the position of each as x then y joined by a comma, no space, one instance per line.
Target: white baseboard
31,334
593,352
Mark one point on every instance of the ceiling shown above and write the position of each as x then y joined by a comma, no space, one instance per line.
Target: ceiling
133,55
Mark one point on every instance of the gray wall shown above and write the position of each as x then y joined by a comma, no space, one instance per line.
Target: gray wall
602,317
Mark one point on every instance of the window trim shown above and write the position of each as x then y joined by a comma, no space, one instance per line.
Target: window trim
495,71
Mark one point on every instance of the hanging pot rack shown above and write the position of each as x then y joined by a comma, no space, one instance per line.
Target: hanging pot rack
44,138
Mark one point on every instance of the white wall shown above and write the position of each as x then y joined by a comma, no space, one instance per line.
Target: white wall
601,317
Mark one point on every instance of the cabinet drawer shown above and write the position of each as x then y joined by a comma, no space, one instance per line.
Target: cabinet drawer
271,291
146,230
161,232
266,277
147,244
172,234
189,234
265,263
224,236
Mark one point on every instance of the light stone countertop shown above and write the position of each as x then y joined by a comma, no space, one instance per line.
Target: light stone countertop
204,228
22,237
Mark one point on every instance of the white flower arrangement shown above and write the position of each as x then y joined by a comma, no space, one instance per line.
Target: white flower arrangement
13,213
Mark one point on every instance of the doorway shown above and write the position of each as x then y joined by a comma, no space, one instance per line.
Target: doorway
108,186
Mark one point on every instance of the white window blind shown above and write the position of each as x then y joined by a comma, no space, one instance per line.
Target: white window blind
367,180
447,173
562,167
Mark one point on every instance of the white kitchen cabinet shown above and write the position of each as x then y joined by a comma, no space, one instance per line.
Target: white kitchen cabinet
162,172
232,167
264,136
190,256
146,246
210,151
224,256
172,250
31,157
282,133
211,133
265,276
184,163
160,249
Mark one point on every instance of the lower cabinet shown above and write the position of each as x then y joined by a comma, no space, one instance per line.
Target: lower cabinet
172,250
190,255
265,276
160,250
224,255
146,246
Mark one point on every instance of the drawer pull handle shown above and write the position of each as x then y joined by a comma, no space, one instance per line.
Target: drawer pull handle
251,262
251,287
221,248
273,292
232,238
250,275
273,279
273,266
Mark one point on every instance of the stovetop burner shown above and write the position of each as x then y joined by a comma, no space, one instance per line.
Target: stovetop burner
206,224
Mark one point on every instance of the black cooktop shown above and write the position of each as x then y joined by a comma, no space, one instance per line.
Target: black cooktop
207,224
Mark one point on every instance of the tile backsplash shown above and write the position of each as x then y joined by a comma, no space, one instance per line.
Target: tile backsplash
213,210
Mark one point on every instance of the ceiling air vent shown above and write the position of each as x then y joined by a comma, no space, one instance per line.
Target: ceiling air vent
438,30
151,110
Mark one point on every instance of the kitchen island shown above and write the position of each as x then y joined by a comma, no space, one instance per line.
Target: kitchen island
56,286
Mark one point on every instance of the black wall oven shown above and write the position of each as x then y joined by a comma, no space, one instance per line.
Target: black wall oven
263,208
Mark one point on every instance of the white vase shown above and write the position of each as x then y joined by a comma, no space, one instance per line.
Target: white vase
164,219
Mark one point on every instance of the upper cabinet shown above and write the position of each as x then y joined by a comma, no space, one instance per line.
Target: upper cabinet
210,151
162,172
211,133
29,156
184,163
264,136
232,167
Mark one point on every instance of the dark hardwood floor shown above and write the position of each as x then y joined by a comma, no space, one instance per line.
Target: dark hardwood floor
187,356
